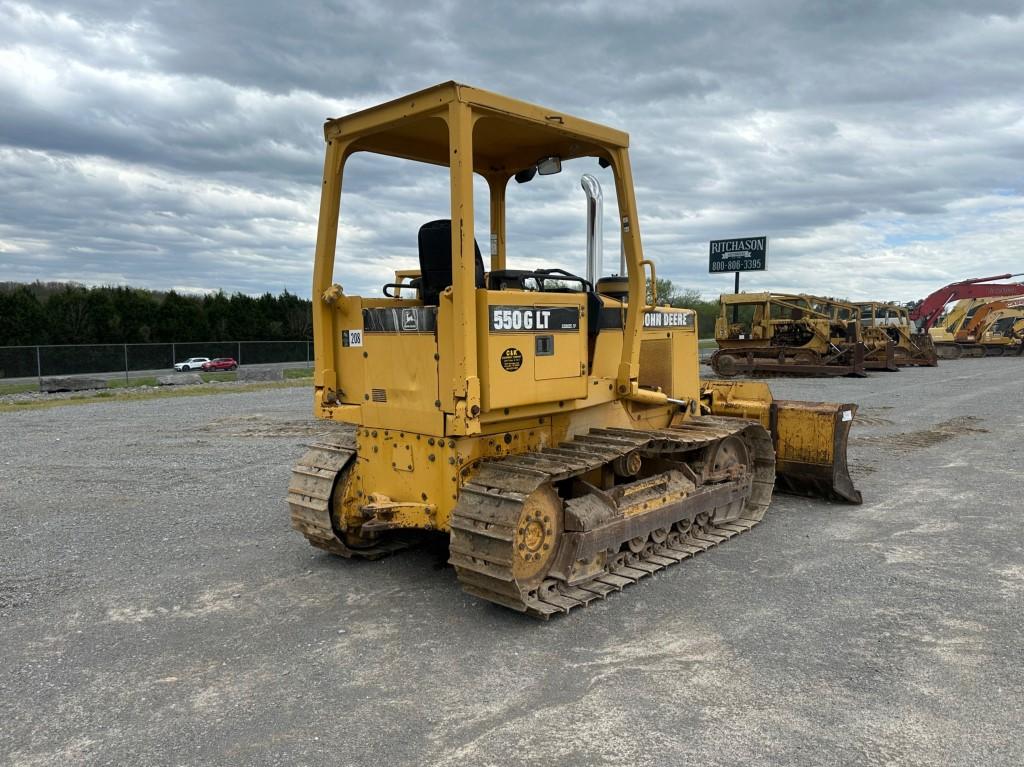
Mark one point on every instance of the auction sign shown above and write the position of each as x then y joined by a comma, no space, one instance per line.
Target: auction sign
744,254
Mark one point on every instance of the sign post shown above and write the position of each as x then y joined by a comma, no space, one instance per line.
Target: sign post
741,254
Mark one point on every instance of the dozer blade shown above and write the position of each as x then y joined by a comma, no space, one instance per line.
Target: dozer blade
810,437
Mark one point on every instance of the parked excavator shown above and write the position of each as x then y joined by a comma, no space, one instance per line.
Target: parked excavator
990,330
910,347
927,313
1004,334
552,425
956,334
943,334
784,334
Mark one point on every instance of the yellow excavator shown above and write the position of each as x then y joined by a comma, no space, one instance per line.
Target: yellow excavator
984,334
552,425
943,335
1003,334
962,330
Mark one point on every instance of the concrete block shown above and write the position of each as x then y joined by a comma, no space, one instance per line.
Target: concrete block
72,383
179,379
265,374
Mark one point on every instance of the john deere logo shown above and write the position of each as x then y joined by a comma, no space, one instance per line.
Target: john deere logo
511,359
409,320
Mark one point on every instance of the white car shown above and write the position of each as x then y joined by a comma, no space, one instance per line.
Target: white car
192,363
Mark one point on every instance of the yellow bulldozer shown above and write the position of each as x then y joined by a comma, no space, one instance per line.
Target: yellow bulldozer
879,347
552,425
785,334
892,320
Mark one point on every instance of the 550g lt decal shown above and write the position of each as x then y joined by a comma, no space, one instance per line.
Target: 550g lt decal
519,319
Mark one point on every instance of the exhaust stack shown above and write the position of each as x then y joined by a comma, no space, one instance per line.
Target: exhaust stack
595,228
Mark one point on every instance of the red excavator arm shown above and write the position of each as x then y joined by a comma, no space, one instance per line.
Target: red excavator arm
928,311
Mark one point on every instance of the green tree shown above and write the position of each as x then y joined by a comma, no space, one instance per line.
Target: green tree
70,316
181,318
137,311
218,316
23,320
688,298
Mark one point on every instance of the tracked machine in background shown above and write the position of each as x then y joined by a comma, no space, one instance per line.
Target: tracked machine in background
927,313
909,346
552,425
992,329
944,333
929,316
879,347
1004,334
963,330
783,334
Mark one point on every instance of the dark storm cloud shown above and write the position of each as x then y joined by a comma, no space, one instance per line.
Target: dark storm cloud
179,144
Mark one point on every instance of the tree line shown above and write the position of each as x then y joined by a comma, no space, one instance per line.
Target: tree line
68,313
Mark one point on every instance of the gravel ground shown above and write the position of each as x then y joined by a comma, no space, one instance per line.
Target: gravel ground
155,607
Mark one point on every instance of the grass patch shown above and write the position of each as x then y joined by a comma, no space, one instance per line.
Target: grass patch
706,343
208,377
162,393
120,383
298,373
18,388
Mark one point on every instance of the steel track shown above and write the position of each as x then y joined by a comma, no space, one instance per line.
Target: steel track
484,523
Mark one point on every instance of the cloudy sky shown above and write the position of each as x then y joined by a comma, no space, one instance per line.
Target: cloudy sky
879,145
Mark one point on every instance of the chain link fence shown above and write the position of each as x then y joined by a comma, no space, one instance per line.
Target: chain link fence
68,360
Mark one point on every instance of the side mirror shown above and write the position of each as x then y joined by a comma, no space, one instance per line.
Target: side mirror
549,166
526,175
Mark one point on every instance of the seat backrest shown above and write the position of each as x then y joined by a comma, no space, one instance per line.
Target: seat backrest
435,243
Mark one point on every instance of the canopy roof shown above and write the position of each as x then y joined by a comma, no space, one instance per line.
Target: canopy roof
508,135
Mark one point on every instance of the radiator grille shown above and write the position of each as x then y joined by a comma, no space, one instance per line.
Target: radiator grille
379,395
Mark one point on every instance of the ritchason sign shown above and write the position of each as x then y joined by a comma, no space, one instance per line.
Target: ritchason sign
743,254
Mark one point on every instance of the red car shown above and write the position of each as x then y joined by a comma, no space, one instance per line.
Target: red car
220,363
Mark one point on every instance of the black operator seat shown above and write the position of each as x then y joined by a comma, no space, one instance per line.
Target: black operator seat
435,242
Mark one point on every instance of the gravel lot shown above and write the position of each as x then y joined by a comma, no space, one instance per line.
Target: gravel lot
155,607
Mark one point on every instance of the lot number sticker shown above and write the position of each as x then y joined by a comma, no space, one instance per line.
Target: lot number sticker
351,338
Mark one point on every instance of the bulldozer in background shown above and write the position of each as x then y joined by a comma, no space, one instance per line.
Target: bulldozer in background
909,346
553,426
879,347
786,334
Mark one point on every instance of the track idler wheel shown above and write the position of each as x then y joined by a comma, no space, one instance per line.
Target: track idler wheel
725,365
725,458
537,536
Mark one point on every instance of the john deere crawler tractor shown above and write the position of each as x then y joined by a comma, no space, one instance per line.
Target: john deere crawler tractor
552,425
